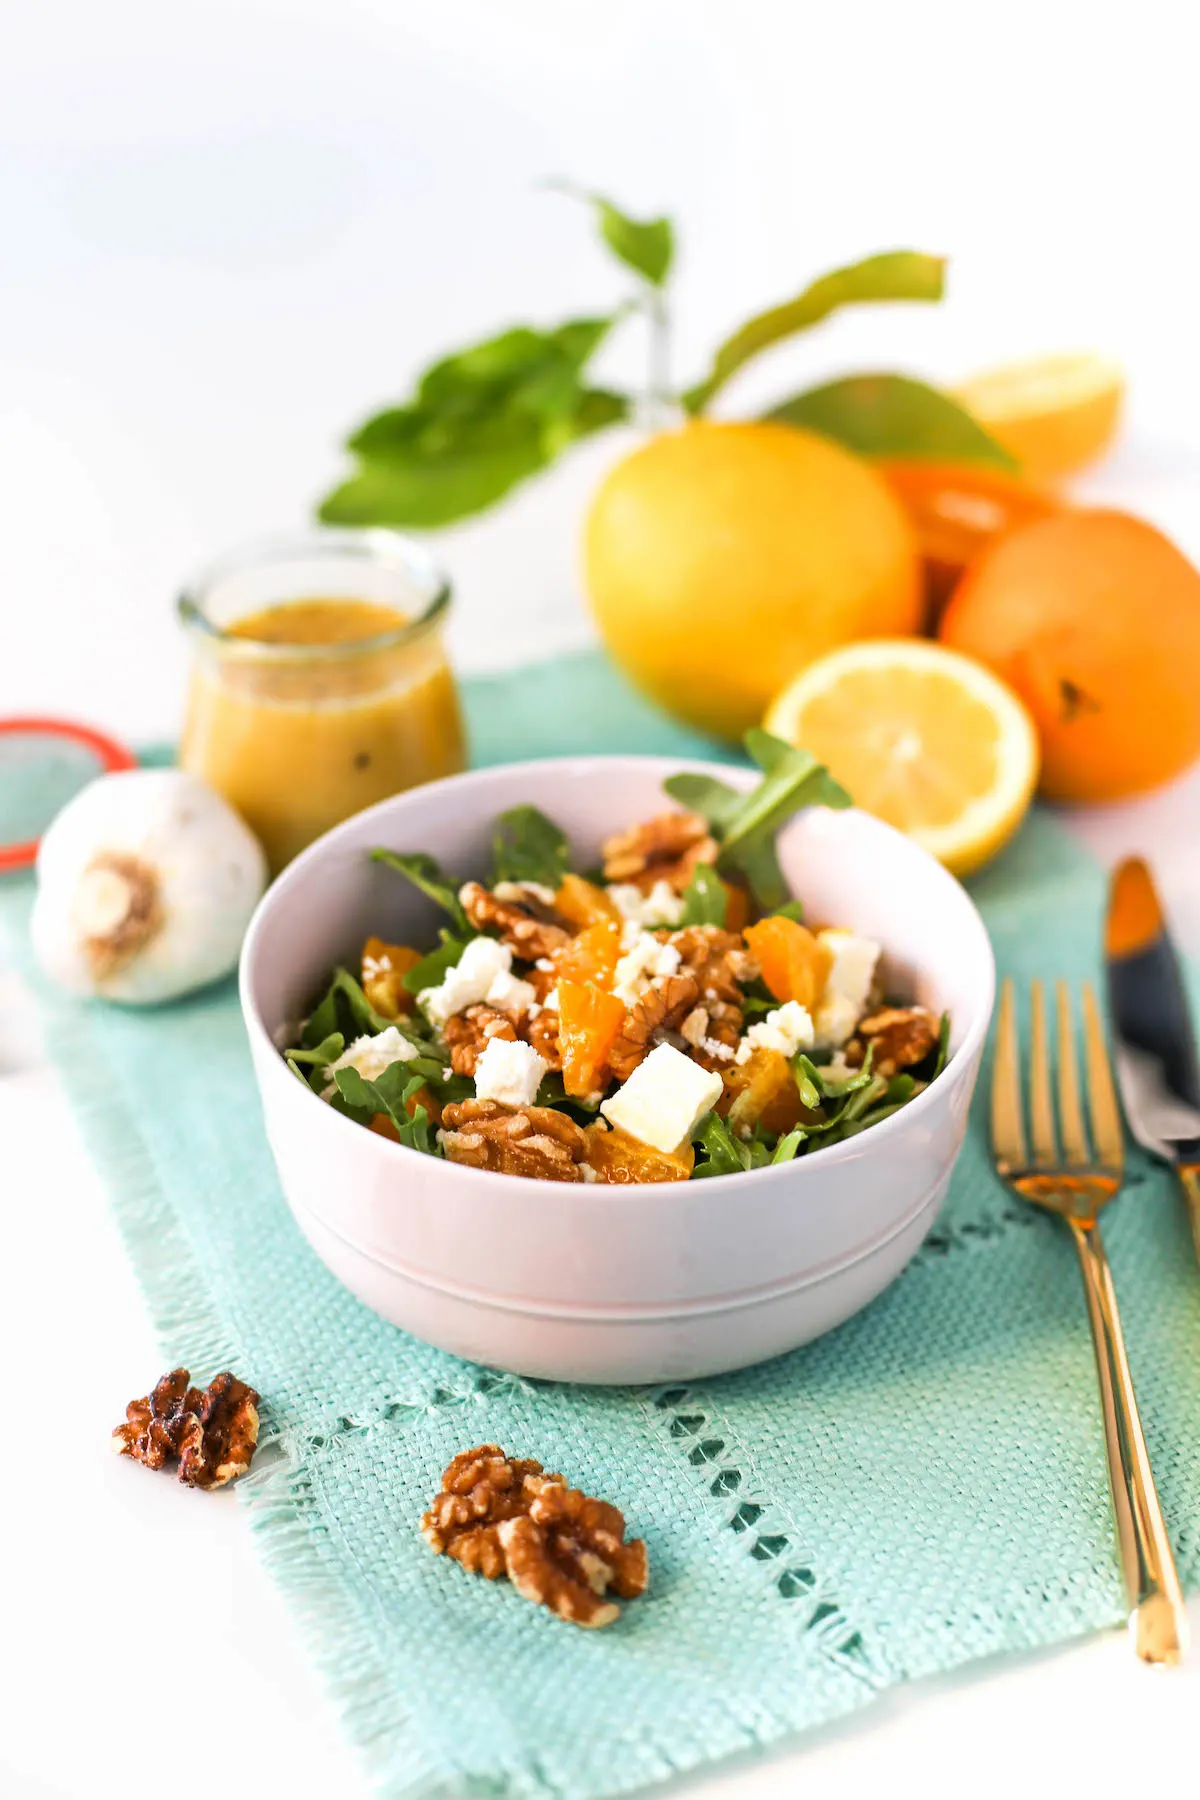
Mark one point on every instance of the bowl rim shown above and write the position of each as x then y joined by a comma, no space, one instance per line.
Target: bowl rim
963,1059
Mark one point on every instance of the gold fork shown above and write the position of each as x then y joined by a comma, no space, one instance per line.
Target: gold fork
1075,1182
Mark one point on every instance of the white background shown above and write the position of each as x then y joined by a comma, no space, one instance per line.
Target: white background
230,230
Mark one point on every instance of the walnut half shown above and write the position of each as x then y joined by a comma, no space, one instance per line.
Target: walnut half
212,1434
902,1036
480,1489
666,848
528,1140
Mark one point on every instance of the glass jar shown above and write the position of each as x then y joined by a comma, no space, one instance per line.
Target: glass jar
320,682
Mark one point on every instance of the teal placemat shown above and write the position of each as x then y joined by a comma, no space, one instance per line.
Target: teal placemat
922,1487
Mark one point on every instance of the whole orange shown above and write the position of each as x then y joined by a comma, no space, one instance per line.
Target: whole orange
722,557
1094,619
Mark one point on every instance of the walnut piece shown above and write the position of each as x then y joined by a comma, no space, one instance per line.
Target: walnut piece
469,1033
666,848
212,1433
517,926
719,962
498,1515
528,1140
568,1551
902,1035
480,1489
663,1007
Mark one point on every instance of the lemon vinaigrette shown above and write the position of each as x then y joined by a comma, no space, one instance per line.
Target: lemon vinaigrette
320,683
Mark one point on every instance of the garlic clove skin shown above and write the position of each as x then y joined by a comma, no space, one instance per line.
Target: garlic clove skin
146,881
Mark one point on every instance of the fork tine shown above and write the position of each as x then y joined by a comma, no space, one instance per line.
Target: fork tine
1102,1100
1041,1107
1008,1127
1070,1113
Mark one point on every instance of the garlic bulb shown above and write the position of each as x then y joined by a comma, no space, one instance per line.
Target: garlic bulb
146,882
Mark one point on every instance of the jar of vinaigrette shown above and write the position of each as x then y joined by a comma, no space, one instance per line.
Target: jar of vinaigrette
320,682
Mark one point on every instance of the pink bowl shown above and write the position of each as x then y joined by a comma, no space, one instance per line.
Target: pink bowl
596,1283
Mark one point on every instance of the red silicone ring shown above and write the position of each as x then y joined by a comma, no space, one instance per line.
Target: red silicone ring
110,755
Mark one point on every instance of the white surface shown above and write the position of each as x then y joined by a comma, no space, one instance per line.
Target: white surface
229,232
622,1284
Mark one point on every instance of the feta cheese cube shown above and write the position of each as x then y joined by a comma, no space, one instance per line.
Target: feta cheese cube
661,906
644,962
371,1056
664,1099
847,986
788,1029
468,982
509,994
509,1073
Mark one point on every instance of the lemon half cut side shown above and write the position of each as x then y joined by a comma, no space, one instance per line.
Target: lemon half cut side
922,737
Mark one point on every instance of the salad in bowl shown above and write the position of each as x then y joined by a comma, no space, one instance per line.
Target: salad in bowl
666,1016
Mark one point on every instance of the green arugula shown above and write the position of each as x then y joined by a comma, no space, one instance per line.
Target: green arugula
425,872
316,1060
725,1154
527,846
942,1053
705,901
745,825
808,1083
787,1147
343,1009
390,1093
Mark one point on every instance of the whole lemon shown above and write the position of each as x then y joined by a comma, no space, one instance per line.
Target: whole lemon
1094,619
723,557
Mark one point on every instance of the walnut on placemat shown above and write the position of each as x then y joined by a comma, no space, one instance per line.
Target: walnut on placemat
211,1433
561,1549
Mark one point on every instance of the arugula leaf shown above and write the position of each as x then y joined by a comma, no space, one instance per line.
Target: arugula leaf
345,1009
893,415
791,909
704,899
808,1083
786,1148
942,1055
726,1155
481,421
425,873
429,971
892,275
528,846
390,1093
745,824
327,1051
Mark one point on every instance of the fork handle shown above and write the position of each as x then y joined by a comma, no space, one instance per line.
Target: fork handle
1151,1580
1189,1181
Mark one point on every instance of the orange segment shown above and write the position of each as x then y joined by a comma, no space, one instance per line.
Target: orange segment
1055,414
384,967
762,1091
621,1160
588,1022
582,903
923,737
794,965
592,956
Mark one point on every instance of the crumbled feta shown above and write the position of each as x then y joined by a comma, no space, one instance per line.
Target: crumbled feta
509,994
847,986
646,961
715,1048
520,892
468,982
661,906
788,1029
550,1003
664,1099
508,1072
371,1056
545,965
588,1173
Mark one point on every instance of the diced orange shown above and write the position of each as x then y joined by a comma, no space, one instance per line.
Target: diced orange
384,967
382,1124
761,1091
621,1160
794,965
737,907
592,956
588,1021
582,903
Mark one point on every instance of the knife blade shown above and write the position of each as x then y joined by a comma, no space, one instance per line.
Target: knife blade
1158,1071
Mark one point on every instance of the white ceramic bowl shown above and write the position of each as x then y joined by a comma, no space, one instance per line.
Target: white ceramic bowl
597,1283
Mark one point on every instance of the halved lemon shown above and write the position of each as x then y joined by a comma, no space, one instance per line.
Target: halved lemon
1054,413
923,737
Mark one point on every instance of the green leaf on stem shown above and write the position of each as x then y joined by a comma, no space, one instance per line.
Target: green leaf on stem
893,415
892,275
425,873
528,846
647,246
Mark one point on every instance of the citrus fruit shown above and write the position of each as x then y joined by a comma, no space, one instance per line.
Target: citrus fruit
1055,414
924,738
957,510
1094,619
723,557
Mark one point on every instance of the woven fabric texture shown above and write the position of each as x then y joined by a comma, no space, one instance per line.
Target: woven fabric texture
922,1487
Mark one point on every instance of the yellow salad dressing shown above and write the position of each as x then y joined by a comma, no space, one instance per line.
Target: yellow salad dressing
308,710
